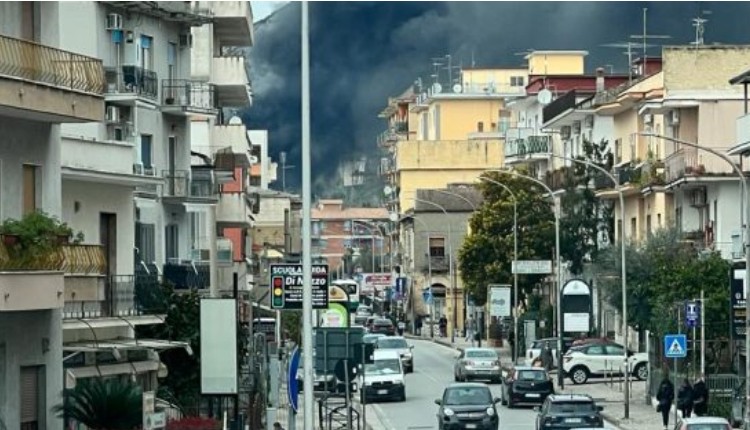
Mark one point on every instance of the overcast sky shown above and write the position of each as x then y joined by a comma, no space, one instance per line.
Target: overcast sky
262,9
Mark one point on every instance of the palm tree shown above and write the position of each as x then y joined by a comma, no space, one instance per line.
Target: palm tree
103,404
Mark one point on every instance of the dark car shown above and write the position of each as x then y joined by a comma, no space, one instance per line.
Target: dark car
384,326
467,405
568,411
526,385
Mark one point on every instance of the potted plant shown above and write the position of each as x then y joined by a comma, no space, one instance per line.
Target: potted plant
34,241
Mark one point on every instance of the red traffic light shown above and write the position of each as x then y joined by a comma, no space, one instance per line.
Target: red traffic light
278,282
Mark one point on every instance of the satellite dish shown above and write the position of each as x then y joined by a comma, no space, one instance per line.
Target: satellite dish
544,97
437,88
458,88
393,216
387,190
235,120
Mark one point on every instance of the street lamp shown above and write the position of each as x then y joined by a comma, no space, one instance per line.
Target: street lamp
743,182
450,261
372,238
556,212
623,276
515,258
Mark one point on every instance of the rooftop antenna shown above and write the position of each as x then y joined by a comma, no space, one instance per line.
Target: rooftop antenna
437,63
700,27
628,51
645,37
284,167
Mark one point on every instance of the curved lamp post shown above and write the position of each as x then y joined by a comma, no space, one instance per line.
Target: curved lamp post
450,260
556,212
744,184
372,239
515,258
623,275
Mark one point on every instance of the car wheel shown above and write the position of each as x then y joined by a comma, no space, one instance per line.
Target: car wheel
641,371
579,375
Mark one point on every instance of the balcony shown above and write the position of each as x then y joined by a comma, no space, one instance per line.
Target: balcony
388,138
387,166
233,210
184,97
184,12
180,186
229,75
47,84
125,84
232,139
115,296
627,174
524,148
561,178
743,129
558,106
692,163
187,275
439,264
233,23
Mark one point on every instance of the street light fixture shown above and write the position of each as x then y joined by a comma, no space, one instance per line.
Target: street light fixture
744,183
450,261
515,258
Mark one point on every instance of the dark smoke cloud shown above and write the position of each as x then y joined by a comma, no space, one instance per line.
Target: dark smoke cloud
364,52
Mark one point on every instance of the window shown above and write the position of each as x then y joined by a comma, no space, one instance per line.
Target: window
648,224
171,61
32,397
437,122
615,350
146,151
516,81
145,235
480,126
633,227
619,229
618,151
31,188
595,350
347,226
437,247
171,237
658,220
146,52
678,218
493,126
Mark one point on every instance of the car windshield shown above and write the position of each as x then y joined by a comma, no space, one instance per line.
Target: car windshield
572,407
467,396
390,343
532,375
371,338
481,353
708,426
383,322
383,367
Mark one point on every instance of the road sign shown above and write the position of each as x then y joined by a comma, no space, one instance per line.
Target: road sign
287,286
427,296
692,314
532,267
675,346
292,387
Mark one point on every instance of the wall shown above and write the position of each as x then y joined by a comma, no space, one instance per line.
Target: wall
95,199
10,21
458,118
707,68
22,343
547,63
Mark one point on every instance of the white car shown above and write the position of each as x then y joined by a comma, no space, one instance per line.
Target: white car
601,359
398,344
384,377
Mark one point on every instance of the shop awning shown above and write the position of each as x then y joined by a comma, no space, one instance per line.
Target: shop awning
73,374
125,344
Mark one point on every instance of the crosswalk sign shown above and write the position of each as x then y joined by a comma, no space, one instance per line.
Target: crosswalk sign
675,346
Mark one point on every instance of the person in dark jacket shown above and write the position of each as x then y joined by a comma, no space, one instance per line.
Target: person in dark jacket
547,359
685,398
665,397
700,397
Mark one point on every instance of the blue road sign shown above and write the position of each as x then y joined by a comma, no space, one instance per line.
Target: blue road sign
292,387
692,314
675,346
427,296
400,287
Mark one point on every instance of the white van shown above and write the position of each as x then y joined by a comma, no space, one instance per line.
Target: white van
384,378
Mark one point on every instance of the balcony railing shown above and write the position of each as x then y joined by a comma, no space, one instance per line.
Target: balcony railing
188,94
558,106
530,145
187,275
43,64
179,183
560,178
439,263
387,138
692,162
132,80
123,295
66,258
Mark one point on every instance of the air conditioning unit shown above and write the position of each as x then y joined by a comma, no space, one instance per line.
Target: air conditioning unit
186,40
565,132
577,127
648,119
113,114
698,198
114,21
588,121
674,117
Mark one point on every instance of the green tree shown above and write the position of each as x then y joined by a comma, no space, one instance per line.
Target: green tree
103,404
486,254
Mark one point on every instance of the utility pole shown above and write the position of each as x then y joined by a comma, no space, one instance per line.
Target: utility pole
284,168
645,37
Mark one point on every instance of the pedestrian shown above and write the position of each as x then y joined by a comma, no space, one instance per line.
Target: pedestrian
277,426
700,397
547,359
469,330
401,327
665,397
443,325
685,398
418,326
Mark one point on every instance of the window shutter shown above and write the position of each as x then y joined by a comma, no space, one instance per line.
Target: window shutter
29,395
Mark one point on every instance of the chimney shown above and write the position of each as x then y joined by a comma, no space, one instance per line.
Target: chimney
600,79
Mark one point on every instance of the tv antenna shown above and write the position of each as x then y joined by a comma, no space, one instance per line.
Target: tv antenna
700,27
628,46
645,37
284,168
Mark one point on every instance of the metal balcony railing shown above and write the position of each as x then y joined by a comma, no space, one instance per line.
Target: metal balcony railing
132,80
124,295
692,162
560,178
558,106
188,94
71,259
178,183
530,145
439,263
31,61
187,275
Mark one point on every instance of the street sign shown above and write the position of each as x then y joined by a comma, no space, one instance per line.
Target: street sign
287,286
739,292
532,267
427,296
692,314
675,346
292,387
400,287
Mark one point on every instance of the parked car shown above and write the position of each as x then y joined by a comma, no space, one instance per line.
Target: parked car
384,326
368,323
702,423
526,385
535,350
384,377
477,363
599,359
372,338
568,411
398,344
360,320
322,382
467,405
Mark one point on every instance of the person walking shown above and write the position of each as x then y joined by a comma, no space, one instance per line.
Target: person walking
401,327
700,397
418,326
547,359
665,397
685,398
469,330
443,325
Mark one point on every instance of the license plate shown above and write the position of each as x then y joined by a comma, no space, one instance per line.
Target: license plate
382,391
471,426
534,396
573,420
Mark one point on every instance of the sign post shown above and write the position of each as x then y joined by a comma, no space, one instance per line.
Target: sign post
499,300
675,346
287,286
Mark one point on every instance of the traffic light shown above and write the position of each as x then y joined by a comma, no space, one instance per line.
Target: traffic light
277,284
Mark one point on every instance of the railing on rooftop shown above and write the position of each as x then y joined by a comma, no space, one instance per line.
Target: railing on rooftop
31,61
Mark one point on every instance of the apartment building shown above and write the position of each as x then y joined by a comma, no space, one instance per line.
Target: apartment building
41,87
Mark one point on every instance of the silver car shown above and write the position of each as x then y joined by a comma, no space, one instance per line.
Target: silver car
477,363
398,344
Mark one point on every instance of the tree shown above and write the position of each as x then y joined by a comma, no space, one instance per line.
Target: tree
486,254
103,404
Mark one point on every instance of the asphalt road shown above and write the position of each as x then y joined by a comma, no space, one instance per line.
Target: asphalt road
433,371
